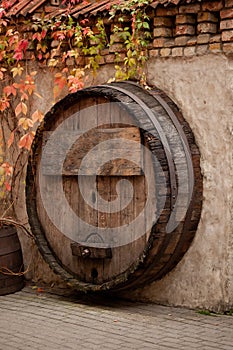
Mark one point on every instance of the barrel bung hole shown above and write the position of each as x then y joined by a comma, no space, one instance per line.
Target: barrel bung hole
94,273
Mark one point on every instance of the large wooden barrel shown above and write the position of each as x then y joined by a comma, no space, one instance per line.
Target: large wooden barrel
11,261
114,187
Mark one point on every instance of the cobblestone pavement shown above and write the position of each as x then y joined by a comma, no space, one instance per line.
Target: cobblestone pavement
32,320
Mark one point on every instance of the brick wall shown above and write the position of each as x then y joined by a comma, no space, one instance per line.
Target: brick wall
187,30
193,29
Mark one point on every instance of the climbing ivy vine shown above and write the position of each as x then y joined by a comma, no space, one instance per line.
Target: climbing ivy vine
51,43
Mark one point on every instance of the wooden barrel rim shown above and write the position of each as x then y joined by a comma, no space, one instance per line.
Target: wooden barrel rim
151,265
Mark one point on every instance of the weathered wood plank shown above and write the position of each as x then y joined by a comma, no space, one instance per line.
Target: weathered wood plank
107,152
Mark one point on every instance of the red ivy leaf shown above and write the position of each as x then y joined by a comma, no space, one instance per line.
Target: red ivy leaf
23,45
84,21
37,36
86,30
9,90
20,49
18,55
4,104
59,83
8,186
40,56
43,33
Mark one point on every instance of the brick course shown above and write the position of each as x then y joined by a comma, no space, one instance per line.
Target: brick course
192,41
185,29
162,31
227,35
226,13
162,21
215,47
161,11
192,8
181,41
228,3
206,27
177,51
165,52
215,38
185,19
203,38
228,48
202,49
154,53
212,5
159,42
227,24
206,17
190,51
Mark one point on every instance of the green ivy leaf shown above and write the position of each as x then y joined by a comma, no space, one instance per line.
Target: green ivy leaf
146,25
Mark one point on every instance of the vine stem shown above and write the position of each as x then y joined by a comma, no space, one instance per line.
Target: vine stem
10,221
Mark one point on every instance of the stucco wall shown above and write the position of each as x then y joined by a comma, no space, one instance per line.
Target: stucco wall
202,87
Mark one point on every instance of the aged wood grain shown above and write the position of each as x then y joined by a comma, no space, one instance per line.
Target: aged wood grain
107,120
93,145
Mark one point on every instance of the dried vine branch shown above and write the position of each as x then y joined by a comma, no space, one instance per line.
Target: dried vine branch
10,221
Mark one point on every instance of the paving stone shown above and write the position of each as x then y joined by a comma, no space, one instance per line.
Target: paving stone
36,322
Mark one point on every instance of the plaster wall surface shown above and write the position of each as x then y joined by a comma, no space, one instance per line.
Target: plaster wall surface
202,87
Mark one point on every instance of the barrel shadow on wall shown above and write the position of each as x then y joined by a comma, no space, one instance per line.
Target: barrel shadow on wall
114,187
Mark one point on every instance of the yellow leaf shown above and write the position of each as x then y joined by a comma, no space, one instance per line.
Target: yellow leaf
37,116
17,71
21,108
18,109
2,194
52,62
26,123
24,108
2,70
